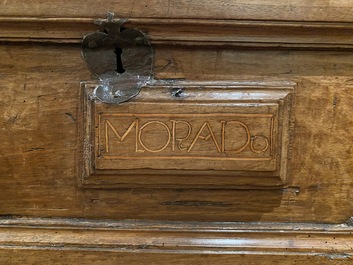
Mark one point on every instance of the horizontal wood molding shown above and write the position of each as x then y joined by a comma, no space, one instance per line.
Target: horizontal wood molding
190,32
335,241
300,10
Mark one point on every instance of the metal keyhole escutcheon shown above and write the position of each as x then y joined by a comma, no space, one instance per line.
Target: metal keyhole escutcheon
122,59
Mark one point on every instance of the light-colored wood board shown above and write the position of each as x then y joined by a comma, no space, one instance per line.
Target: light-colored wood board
308,221
303,10
188,32
40,136
58,257
280,239
64,241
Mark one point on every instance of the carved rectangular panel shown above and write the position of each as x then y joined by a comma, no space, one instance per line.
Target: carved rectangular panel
187,134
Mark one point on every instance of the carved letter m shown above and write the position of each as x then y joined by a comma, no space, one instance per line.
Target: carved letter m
121,138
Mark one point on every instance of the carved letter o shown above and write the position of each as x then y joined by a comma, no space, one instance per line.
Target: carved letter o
144,145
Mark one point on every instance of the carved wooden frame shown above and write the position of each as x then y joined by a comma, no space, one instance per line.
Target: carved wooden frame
278,95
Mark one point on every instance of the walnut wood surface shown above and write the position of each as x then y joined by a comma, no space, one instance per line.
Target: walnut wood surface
188,241
189,134
40,85
189,32
11,256
307,43
300,10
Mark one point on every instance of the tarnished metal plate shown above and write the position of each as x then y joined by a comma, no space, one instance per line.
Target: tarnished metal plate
121,59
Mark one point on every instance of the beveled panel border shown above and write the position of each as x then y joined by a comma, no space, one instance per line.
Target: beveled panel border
91,177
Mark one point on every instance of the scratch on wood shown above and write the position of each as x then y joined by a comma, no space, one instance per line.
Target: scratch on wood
336,256
12,119
292,190
132,7
170,63
71,116
334,102
34,149
196,203
314,187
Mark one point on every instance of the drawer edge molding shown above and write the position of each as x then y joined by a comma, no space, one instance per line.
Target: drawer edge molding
189,32
333,240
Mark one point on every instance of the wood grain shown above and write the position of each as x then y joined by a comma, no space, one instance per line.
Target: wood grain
13,256
332,241
40,137
41,68
189,134
302,10
189,32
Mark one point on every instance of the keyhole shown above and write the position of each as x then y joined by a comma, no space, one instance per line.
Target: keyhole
119,64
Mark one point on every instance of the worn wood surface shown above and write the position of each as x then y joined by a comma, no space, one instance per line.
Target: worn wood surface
12,256
318,10
189,134
307,43
189,32
233,239
40,85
